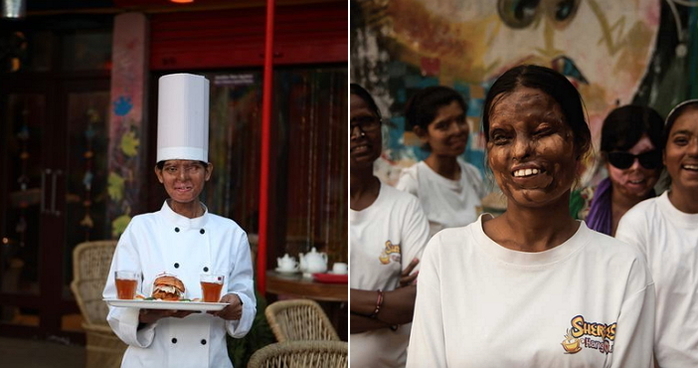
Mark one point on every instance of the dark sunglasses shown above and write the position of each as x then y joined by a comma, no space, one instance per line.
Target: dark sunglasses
649,160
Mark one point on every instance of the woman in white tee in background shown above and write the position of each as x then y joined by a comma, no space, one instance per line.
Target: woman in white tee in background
665,229
449,189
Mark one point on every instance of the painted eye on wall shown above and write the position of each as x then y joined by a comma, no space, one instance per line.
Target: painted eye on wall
518,13
561,12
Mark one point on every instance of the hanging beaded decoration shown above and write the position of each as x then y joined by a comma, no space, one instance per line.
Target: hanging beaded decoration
93,118
23,180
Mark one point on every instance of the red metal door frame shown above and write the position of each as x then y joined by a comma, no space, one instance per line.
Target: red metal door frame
266,137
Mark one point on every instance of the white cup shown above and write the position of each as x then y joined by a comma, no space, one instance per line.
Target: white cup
339,268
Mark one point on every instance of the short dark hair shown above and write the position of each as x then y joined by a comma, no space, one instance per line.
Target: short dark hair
422,107
674,114
161,164
554,85
626,125
356,89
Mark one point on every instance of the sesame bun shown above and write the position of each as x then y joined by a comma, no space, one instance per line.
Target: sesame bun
168,287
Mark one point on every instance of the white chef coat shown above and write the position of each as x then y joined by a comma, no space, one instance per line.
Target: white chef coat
165,241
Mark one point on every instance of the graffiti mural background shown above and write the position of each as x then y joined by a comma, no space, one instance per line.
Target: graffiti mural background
616,53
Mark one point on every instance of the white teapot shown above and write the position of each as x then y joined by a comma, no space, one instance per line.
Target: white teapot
287,263
313,261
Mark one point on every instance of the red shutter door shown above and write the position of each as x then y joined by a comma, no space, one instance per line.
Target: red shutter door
304,34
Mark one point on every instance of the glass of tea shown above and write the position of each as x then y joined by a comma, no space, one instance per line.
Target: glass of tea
126,284
211,285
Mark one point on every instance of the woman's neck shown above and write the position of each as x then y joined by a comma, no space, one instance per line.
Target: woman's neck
446,166
685,200
363,190
620,204
190,210
533,229
623,203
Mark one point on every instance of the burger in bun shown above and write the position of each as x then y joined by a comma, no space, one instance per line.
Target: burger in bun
168,287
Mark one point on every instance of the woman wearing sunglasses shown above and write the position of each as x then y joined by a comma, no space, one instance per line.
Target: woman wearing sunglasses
665,229
630,141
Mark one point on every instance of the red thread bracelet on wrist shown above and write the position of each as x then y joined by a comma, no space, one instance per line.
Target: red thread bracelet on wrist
379,304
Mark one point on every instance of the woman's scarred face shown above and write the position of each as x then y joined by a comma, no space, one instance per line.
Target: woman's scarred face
531,148
636,181
183,179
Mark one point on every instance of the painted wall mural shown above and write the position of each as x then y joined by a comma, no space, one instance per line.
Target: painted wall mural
126,163
615,52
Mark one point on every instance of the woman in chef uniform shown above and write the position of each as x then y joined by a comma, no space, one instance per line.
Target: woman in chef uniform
185,240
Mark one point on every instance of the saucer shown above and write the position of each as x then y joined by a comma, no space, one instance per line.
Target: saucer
288,272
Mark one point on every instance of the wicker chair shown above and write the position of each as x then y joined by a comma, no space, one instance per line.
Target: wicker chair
301,354
299,319
91,261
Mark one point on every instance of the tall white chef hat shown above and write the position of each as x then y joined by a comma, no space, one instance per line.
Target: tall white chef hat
183,117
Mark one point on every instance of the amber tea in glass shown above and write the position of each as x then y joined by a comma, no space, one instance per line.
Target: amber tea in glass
211,286
126,284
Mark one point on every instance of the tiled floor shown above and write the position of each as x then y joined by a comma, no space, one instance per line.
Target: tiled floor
24,353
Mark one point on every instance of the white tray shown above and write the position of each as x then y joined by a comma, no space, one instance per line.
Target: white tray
164,304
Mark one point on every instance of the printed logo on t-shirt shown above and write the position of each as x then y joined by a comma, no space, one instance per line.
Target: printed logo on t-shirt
391,252
591,335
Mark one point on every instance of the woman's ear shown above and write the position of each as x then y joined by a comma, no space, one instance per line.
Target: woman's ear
664,157
420,133
209,170
158,173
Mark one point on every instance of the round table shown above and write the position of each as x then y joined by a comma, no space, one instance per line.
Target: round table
332,297
299,286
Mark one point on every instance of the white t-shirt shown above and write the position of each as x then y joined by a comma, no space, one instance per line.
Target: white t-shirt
668,238
385,237
447,203
482,305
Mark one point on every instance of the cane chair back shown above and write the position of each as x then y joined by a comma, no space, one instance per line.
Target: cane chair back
301,354
299,319
91,262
